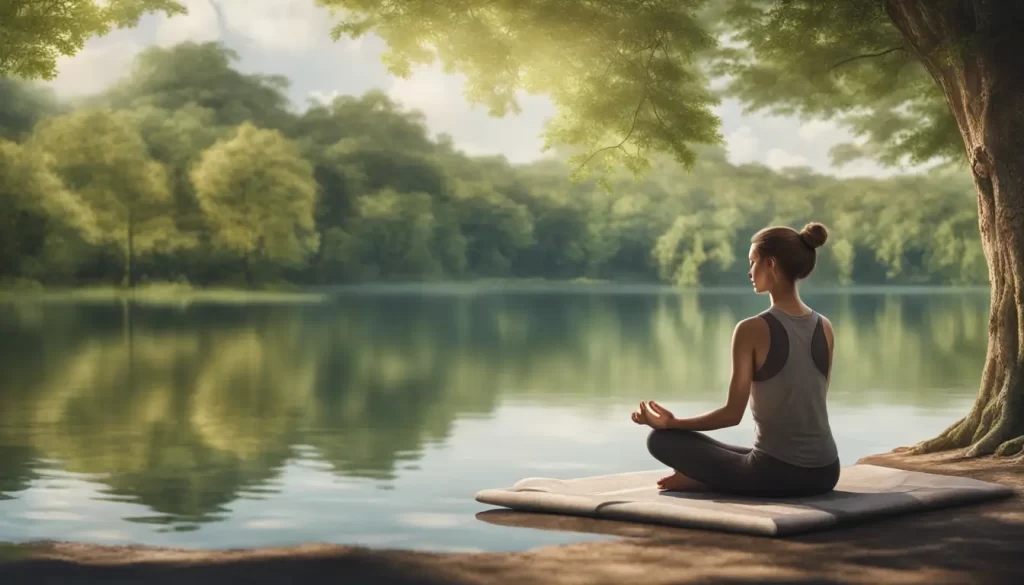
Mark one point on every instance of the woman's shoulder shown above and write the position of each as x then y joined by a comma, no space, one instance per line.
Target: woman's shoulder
752,327
827,326
820,315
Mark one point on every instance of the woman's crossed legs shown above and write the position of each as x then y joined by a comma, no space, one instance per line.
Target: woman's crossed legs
701,463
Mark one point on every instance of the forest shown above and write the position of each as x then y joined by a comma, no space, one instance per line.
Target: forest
191,171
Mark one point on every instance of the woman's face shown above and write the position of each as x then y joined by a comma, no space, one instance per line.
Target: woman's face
762,272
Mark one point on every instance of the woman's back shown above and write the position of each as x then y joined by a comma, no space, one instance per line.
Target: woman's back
788,393
794,453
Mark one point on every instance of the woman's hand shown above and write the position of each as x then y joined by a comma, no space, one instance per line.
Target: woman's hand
653,415
638,417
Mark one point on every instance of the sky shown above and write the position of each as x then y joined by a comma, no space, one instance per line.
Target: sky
292,38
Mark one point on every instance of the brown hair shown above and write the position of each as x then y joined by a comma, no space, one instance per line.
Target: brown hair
793,251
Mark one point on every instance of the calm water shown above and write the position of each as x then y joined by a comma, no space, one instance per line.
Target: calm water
373,419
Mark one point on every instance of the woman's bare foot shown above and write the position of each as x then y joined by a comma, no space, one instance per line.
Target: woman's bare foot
677,482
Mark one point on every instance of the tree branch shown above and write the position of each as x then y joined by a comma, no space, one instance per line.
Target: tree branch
647,70
636,116
869,55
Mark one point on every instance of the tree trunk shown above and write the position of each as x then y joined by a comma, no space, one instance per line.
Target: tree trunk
248,269
128,280
975,52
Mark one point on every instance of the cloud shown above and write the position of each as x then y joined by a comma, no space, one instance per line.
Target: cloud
777,158
863,168
742,145
261,30
354,45
293,26
199,25
96,66
324,97
289,26
440,97
815,129
430,90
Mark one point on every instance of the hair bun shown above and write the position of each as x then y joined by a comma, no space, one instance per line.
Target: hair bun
814,235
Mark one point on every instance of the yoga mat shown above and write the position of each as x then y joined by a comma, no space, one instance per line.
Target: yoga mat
864,492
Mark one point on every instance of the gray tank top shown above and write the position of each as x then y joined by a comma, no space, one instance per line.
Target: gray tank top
787,397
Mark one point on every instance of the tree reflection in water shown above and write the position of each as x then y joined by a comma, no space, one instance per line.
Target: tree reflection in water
184,408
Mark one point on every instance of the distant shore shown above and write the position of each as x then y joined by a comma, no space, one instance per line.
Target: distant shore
160,292
968,544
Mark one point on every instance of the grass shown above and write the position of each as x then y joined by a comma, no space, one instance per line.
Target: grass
158,294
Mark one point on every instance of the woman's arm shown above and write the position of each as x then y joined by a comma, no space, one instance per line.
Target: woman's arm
731,414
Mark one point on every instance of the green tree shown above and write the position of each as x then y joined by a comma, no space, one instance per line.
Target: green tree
496,227
561,234
359,146
34,34
102,157
177,138
338,258
403,235
373,117
921,80
22,105
694,240
37,212
201,74
259,195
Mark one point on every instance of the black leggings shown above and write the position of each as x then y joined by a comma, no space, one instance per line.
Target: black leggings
737,470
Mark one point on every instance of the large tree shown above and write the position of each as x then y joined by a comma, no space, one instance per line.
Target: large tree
919,79
22,105
33,34
103,159
259,196
402,234
201,74
37,212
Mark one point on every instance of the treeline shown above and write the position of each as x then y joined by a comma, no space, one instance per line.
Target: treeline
189,170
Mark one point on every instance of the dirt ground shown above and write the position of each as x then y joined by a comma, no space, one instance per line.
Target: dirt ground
973,544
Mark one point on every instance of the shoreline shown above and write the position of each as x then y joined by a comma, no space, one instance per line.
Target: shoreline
160,293
171,291
977,543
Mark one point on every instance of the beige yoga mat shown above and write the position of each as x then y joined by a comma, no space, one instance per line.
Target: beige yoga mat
864,492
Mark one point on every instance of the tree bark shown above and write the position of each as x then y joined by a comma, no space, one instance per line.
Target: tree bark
247,263
974,50
129,254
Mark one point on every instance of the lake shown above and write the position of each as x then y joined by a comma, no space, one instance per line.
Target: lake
373,416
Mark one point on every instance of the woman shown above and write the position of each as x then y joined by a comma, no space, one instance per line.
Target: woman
781,360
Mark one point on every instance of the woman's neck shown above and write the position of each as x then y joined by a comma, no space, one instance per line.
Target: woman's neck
787,300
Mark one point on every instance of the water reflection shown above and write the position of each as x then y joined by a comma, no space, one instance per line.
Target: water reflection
186,411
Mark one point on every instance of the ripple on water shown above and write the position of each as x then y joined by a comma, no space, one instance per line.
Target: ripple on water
52,516
556,466
272,524
431,520
107,535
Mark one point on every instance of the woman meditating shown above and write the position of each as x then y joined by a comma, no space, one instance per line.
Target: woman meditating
781,360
